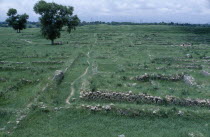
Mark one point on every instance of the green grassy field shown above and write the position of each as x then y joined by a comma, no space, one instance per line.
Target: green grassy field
104,58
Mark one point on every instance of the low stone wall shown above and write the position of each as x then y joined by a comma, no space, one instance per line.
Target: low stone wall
189,80
19,84
9,62
32,69
198,67
147,77
142,98
16,68
205,73
186,67
3,79
47,62
206,57
157,112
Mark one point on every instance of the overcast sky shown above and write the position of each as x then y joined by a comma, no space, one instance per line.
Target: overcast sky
182,11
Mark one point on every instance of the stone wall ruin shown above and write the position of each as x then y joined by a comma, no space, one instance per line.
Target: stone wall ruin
142,98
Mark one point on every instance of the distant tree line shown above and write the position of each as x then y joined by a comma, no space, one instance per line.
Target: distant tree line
29,24
32,24
4,24
37,24
132,23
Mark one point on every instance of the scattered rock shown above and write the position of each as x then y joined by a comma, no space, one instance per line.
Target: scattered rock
2,129
188,55
134,84
189,80
58,76
98,107
17,122
180,113
107,107
121,135
155,111
186,45
73,99
195,134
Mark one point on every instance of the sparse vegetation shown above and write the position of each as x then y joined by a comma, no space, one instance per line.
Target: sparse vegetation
148,61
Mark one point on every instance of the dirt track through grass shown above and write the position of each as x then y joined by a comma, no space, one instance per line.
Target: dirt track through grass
72,90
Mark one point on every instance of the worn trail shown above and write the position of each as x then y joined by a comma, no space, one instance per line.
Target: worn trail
73,83
72,90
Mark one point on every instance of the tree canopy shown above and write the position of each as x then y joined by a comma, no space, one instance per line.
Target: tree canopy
54,17
18,22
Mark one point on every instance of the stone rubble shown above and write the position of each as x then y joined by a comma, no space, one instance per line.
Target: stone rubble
98,107
58,76
133,112
189,80
188,55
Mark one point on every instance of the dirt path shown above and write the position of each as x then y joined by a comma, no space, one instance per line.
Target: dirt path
73,83
72,90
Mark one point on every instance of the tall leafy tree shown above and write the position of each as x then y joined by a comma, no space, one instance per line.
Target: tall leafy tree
54,17
18,22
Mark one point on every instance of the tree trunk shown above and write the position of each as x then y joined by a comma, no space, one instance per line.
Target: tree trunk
52,41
